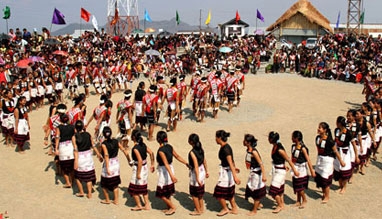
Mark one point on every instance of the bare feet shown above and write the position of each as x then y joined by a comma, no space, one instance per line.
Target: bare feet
195,213
66,186
115,202
105,202
297,204
170,211
80,195
89,196
251,213
222,213
137,208
146,208
302,206
324,201
277,210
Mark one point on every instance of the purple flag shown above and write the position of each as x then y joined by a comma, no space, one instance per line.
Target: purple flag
58,17
259,16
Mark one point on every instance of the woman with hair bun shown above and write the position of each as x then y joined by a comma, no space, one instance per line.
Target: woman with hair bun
166,178
256,181
84,170
138,182
279,156
225,188
198,173
327,150
301,161
110,176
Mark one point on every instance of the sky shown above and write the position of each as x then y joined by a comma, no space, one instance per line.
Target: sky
38,13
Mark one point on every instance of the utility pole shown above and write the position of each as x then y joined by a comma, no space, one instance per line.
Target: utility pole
353,24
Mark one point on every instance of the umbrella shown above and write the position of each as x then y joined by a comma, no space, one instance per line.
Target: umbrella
259,32
149,30
36,59
152,52
51,41
24,63
60,52
225,49
4,36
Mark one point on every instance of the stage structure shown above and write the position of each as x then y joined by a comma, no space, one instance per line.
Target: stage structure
354,20
122,17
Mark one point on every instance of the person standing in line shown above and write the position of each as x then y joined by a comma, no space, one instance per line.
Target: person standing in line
327,150
279,156
8,106
138,182
343,139
65,149
110,176
140,118
225,188
84,170
166,178
149,107
22,125
301,161
198,173
255,188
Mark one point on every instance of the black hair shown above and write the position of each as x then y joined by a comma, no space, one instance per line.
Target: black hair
367,105
19,100
326,127
141,85
194,140
137,136
79,125
127,92
251,140
162,137
223,135
352,112
273,137
106,132
341,120
64,118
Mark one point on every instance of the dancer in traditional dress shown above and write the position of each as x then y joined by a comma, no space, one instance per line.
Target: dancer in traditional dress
256,181
182,92
216,86
231,89
342,171
138,182
201,99
301,161
367,136
352,127
65,150
166,178
22,125
172,97
225,188
279,156
149,107
140,117
124,118
110,176
198,173
8,106
99,114
84,170
327,150
75,113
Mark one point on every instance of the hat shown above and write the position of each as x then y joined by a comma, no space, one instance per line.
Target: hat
103,99
61,108
231,69
181,77
204,79
152,88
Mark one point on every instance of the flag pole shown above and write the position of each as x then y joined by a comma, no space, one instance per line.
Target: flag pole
6,21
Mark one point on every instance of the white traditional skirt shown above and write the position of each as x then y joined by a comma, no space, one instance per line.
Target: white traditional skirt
324,166
255,181
202,176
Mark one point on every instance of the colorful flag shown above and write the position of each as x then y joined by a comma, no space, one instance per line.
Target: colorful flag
338,20
58,17
116,18
7,12
147,16
362,17
208,20
177,18
260,16
237,18
95,23
85,15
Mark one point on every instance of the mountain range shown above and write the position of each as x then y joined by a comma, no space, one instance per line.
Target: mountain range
165,25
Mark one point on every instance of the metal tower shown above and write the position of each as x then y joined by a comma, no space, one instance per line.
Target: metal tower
127,20
354,17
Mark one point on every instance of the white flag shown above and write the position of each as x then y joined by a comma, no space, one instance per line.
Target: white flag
95,23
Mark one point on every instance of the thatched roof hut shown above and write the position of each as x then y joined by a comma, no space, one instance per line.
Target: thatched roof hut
301,20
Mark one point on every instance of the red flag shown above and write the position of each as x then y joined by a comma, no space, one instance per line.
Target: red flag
116,18
85,15
237,17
